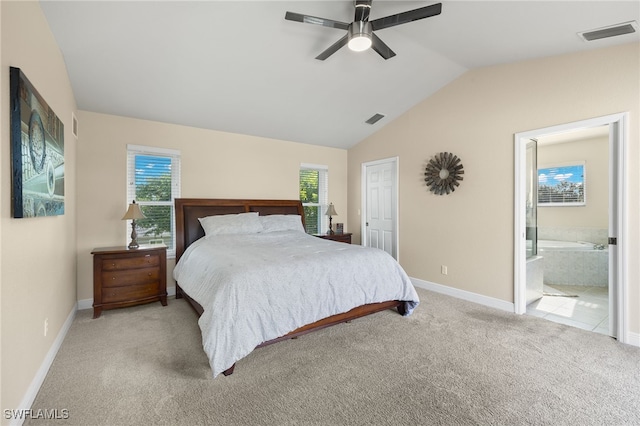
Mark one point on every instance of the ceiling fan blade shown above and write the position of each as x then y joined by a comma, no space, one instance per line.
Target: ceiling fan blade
405,17
333,48
307,19
381,47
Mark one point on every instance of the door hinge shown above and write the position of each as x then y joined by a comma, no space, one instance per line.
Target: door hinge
613,241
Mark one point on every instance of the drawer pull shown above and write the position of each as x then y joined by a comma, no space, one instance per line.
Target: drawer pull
149,273
113,278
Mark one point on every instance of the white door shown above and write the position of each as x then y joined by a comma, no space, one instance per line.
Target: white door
617,293
380,206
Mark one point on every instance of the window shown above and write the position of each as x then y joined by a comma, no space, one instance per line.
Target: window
153,181
314,194
562,185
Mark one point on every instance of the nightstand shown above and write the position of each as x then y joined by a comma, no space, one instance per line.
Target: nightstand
342,238
124,277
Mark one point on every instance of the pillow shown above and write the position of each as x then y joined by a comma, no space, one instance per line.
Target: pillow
242,223
281,222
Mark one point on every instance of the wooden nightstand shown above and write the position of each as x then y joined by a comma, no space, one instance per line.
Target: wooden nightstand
343,238
123,277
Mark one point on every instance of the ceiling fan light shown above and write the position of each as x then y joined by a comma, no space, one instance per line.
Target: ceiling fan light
360,43
359,36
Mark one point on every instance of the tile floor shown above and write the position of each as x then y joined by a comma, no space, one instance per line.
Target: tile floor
589,311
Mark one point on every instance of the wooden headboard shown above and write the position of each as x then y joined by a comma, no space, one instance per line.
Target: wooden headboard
188,210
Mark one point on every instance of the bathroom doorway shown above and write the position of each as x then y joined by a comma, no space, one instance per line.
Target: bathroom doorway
569,218
568,225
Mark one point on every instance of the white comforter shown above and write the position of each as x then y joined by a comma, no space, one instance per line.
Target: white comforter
258,287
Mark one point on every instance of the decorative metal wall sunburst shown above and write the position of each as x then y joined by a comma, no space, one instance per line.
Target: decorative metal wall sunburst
443,173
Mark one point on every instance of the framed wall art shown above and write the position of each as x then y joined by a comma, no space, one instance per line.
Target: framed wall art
37,152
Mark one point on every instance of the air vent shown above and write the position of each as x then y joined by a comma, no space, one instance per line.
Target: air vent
374,119
611,31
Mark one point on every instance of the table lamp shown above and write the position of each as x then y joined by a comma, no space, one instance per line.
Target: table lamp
331,211
133,213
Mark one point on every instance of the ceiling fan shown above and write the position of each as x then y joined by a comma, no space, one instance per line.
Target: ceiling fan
360,33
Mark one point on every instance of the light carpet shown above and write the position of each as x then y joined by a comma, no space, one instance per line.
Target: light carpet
450,363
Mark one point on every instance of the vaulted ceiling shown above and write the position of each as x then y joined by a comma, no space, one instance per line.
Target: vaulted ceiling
239,66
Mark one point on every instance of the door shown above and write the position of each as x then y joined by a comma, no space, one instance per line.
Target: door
535,279
380,206
617,287
532,199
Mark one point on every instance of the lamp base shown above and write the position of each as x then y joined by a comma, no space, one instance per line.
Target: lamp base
134,237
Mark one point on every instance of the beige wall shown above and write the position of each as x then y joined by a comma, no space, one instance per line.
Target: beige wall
595,153
38,255
476,117
213,165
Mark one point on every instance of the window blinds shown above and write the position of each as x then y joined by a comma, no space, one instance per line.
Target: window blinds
314,194
153,181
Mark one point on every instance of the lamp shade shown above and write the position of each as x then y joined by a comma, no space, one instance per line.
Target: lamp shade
133,212
331,211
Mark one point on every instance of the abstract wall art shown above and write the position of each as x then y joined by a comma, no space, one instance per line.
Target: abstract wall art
37,152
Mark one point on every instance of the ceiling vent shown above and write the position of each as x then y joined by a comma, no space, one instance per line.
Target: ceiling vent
374,119
611,31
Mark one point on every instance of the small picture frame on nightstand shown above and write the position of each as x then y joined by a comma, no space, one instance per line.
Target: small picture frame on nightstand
339,228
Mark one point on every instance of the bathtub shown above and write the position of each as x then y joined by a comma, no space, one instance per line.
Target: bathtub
548,245
574,263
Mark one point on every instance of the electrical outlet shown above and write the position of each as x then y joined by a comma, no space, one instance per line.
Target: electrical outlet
46,326
443,270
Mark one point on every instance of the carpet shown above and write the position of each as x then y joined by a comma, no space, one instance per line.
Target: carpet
450,363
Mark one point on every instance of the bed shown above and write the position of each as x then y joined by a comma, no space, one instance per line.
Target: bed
247,297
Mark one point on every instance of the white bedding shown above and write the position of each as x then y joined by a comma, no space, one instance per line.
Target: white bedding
257,287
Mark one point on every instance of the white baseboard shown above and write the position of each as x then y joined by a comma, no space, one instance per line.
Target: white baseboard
465,295
88,303
633,338
85,304
41,374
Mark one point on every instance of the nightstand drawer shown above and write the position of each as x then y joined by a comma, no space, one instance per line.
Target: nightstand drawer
116,264
128,277
132,292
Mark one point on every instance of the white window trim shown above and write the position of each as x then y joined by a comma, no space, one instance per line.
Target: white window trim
584,184
323,204
175,181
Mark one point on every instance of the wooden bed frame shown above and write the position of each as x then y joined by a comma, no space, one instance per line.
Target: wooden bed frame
188,230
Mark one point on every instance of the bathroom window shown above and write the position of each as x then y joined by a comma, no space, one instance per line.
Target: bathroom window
562,185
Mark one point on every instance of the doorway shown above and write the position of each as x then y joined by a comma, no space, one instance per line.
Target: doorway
568,225
614,243
379,220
